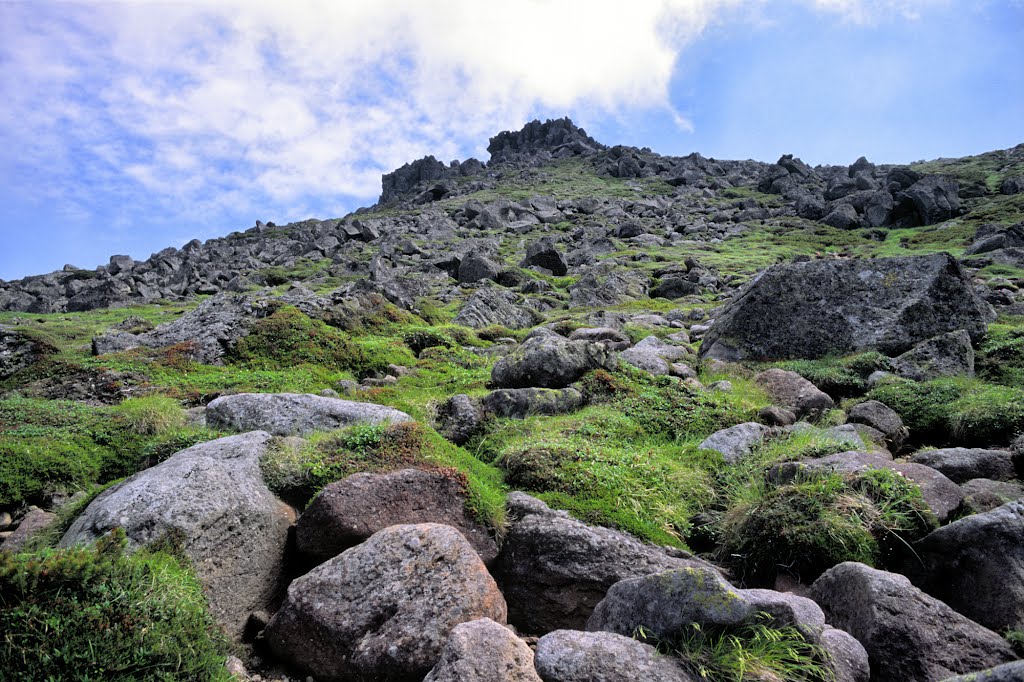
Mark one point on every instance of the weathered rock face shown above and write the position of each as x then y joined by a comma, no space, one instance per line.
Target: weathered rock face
349,511
550,361
536,140
976,565
1008,672
519,403
818,308
963,464
289,414
983,494
18,352
543,254
655,356
491,306
909,636
384,609
484,651
945,355
554,570
459,418
792,391
213,499
208,331
573,656
934,198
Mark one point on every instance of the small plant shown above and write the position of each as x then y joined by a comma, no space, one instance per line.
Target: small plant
288,338
151,415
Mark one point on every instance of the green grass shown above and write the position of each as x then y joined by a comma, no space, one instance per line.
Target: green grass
97,614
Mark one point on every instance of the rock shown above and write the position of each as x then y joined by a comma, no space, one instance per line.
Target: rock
550,361
613,338
554,570
674,287
6,521
773,415
519,403
736,442
484,651
351,510
850,661
553,138
946,355
1007,672
880,416
654,356
384,609
982,494
792,391
459,418
963,464
988,240
908,635
1013,185
491,306
475,267
842,216
212,498
836,307
18,351
543,254
976,566
33,522
573,656
288,414
934,198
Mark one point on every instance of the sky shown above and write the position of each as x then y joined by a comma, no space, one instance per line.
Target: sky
132,126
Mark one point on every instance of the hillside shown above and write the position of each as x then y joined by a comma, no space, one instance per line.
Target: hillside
780,406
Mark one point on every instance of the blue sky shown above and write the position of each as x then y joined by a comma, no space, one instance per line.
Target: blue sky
130,127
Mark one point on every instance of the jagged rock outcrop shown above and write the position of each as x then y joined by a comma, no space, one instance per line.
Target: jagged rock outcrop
832,307
538,141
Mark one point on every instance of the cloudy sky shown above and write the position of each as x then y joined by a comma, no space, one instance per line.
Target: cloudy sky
129,127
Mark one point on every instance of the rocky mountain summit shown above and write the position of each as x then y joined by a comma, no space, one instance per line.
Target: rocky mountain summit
581,412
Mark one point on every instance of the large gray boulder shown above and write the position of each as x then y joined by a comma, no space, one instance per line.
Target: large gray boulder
964,464
883,418
476,266
484,651
550,361
976,565
736,442
206,333
946,355
790,390
290,414
492,306
554,570
655,356
459,418
543,254
351,510
833,307
908,635
935,198
573,656
384,609
519,403
212,498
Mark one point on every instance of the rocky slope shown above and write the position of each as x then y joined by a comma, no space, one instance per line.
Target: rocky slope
581,412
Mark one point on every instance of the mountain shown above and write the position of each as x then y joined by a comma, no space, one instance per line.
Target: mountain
597,393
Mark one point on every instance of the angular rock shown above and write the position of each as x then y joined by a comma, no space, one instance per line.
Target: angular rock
351,510
475,267
945,355
289,414
976,566
490,306
212,498
554,570
484,651
835,307
792,391
384,609
736,442
543,254
963,464
550,361
880,416
519,403
935,199
459,418
573,656
909,636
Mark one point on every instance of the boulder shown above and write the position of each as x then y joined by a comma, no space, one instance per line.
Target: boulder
459,418
351,510
736,442
1012,185
290,414
543,254
550,361
573,656
475,267
836,307
987,239
484,651
1007,672
849,660
791,390
554,570
883,418
908,635
945,355
492,306
842,216
934,198
18,351
384,609
654,356
34,521
212,498
976,566
773,415
614,339
982,494
519,403
963,464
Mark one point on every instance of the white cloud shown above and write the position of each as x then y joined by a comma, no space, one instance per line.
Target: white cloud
257,105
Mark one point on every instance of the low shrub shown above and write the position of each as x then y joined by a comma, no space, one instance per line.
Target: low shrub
1000,357
150,415
289,337
94,613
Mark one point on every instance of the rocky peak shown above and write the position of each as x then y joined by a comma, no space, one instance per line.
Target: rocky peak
552,139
